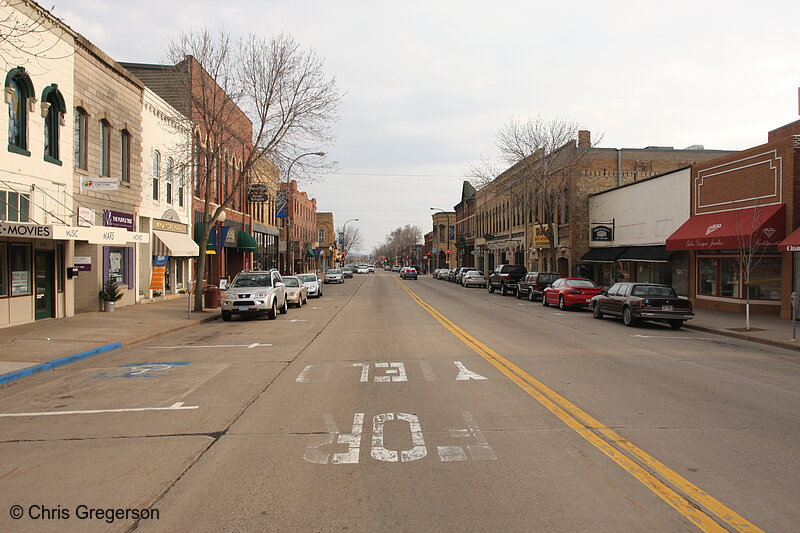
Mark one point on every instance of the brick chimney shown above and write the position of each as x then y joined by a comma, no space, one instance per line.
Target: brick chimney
584,139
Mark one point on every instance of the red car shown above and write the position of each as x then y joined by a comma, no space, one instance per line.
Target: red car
567,293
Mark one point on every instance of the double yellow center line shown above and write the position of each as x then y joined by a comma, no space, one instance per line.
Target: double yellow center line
692,502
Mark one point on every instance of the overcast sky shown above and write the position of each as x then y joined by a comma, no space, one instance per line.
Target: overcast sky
428,84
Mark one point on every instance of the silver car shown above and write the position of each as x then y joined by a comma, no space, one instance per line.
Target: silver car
312,283
334,275
296,291
473,278
255,292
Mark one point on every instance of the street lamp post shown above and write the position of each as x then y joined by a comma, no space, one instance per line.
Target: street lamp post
447,254
289,258
344,231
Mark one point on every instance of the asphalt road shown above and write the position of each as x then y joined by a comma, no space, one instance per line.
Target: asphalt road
429,408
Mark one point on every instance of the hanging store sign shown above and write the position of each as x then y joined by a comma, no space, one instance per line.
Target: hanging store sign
99,184
602,233
257,192
116,219
86,217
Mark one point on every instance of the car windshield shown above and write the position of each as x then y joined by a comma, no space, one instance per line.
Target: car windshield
653,291
548,278
334,271
580,283
251,280
305,278
291,282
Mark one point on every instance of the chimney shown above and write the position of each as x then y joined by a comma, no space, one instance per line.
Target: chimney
584,139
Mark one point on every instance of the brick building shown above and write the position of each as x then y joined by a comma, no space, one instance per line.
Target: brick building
302,214
466,225
326,241
444,249
264,215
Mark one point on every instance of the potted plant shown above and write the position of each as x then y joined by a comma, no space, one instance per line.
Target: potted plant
110,294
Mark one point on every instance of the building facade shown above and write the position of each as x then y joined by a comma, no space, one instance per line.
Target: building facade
326,241
466,225
443,251
263,214
302,217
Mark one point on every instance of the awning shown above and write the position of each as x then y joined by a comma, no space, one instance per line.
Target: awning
603,255
174,244
245,242
749,227
199,229
646,254
791,243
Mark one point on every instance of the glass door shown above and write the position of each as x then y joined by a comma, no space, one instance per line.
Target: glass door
43,266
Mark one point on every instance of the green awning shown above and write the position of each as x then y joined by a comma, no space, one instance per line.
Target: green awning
309,252
199,229
246,242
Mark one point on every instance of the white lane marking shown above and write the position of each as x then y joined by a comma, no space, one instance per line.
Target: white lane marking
465,374
302,377
296,320
396,372
254,345
314,454
364,371
174,407
379,452
674,337
427,371
479,452
326,374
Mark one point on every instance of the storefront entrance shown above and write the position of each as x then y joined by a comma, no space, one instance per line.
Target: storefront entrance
43,266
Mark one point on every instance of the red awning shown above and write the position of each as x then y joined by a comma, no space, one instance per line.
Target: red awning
791,243
749,227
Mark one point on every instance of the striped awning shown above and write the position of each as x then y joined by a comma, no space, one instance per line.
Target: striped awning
174,244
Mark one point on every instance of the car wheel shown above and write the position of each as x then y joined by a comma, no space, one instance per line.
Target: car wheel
562,304
272,313
490,288
675,324
226,316
518,295
596,311
628,318
530,295
299,303
544,300
285,308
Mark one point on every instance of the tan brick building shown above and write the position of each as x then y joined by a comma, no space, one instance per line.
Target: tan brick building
326,241
443,249
302,212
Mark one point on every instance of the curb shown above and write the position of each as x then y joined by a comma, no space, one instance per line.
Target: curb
778,344
61,361
29,371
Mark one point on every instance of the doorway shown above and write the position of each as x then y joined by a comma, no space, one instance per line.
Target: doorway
43,269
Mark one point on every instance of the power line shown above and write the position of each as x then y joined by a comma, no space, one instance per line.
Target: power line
381,174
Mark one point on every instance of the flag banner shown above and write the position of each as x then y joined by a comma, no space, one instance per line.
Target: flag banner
159,272
281,207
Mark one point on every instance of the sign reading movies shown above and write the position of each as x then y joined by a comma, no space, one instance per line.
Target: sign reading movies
27,231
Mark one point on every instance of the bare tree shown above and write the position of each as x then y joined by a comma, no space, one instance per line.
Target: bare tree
248,99
398,243
27,30
352,239
541,155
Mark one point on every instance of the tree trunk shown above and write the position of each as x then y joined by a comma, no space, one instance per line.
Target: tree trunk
200,274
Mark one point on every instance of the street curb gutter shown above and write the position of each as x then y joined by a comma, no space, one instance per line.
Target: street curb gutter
733,335
61,361
29,371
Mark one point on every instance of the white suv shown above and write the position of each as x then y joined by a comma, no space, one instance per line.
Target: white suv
255,292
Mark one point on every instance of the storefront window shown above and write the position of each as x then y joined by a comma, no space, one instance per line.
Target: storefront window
707,281
680,273
20,269
117,265
729,278
3,270
765,279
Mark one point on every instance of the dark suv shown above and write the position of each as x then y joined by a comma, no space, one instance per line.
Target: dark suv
505,278
533,284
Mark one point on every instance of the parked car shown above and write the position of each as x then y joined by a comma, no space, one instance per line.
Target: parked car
460,271
533,284
569,293
408,273
312,283
347,272
396,268
505,278
334,275
255,292
473,278
362,269
296,291
643,301
371,269
387,267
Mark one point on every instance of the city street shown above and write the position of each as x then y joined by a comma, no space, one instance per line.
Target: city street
417,405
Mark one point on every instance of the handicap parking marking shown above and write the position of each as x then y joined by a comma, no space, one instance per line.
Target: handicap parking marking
142,370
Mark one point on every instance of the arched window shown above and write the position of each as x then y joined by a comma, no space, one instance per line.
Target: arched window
56,108
80,134
181,190
321,236
18,89
156,173
105,148
170,165
125,156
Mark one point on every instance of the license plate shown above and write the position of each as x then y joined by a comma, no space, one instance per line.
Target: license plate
588,300
666,308
243,308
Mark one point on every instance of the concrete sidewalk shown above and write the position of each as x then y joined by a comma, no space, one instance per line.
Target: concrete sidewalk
766,329
29,345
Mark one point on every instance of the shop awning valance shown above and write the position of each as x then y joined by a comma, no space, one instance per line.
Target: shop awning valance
791,243
199,229
646,254
174,244
603,255
750,227
246,242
